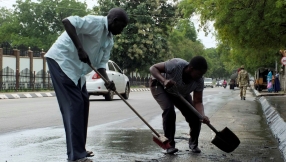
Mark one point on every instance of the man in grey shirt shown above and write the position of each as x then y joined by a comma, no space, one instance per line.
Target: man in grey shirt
187,76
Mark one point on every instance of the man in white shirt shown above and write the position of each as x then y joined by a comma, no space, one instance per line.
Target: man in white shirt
86,40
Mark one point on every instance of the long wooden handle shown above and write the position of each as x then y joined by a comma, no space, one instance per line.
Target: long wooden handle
196,112
175,92
106,81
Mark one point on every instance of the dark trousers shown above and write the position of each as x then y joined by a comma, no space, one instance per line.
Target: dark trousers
167,103
74,106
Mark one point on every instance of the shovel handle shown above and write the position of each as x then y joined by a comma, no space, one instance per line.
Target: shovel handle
173,90
106,81
196,112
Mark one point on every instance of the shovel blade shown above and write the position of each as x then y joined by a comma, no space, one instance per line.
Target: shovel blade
226,140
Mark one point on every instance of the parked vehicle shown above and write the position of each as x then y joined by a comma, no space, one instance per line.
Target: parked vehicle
233,80
260,78
95,85
208,82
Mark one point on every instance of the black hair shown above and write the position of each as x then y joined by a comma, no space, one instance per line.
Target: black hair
199,63
118,13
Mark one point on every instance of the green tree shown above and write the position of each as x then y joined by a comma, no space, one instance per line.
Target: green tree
183,41
254,30
217,68
39,23
144,41
7,21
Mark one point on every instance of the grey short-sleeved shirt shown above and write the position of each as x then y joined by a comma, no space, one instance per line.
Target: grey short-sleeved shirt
174,70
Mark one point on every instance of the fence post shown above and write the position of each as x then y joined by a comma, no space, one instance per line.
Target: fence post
34,77
17,55
44,67
31,55
48,80
1,67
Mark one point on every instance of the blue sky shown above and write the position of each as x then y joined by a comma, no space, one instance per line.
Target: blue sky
208,41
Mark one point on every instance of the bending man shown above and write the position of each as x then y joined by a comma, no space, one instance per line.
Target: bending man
188,78
87,40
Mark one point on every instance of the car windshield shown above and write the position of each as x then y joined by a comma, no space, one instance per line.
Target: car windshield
208,79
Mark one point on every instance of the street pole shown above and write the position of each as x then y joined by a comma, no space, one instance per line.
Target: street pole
284,76
276,66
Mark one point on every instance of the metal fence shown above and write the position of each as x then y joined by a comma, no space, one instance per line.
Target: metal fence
9,50
32,81
25,80
137,81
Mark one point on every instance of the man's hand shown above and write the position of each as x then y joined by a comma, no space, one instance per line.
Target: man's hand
110,85
168,83
83,56
205,120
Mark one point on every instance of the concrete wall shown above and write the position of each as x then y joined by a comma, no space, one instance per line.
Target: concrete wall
24,62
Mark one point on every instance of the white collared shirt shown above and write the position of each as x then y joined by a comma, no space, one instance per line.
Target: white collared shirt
96,40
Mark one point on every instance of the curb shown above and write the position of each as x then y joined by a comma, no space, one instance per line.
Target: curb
27,95
48,94
139,89
275,122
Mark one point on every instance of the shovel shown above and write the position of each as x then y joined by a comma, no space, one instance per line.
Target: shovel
225,140
159,139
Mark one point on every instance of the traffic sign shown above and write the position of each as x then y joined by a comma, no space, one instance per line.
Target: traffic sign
283,60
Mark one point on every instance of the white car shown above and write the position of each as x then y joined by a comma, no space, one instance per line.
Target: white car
208,82
95,85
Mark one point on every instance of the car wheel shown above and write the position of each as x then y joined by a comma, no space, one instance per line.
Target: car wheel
127,91
109,96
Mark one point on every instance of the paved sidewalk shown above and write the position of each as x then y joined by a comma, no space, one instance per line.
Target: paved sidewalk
274,109
17,95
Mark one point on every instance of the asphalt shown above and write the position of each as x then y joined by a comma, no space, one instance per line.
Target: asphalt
272,106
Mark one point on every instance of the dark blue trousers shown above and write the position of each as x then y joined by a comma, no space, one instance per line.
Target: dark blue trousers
74,106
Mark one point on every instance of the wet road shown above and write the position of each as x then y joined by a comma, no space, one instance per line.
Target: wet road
31,130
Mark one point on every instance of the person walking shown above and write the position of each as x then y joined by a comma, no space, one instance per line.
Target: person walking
188,77
243,81
277,87
86,40
269,81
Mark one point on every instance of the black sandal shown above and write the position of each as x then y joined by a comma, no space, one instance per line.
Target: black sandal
89,154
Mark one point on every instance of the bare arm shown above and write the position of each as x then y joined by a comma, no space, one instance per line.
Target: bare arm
198,104
102,71
156,71
71,31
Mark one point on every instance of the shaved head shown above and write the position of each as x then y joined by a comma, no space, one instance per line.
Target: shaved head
118,13
117,20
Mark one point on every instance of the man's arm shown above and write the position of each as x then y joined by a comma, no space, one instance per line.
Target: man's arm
110,85
71,31
156,71
102,71
198,104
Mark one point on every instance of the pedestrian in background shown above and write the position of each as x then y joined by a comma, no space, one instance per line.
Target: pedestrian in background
277,83
243,81
86,40
269,81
